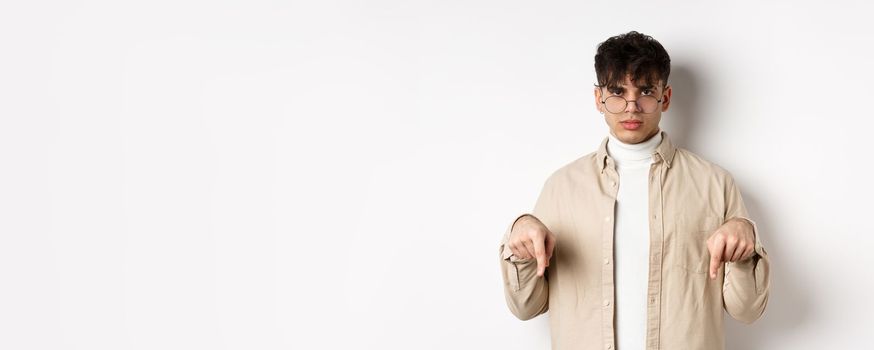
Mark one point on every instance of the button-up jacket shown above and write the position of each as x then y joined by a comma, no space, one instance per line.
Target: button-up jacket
689,198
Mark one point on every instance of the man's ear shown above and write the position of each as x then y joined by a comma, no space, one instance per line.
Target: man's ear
598,100
666,98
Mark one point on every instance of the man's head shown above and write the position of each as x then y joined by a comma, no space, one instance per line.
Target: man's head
635,67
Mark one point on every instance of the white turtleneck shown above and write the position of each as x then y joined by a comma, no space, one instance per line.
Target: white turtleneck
631,238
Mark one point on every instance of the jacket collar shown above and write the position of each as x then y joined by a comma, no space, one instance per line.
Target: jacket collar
665,150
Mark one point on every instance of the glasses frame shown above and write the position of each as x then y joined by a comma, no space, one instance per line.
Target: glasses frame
604,102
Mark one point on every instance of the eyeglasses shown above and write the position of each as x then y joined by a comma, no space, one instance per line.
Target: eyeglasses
618,104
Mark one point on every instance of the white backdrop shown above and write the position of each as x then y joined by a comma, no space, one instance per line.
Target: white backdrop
338,174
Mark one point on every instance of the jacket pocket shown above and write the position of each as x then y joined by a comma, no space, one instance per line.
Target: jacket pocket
690,242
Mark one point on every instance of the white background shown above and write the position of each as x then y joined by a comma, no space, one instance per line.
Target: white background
337,175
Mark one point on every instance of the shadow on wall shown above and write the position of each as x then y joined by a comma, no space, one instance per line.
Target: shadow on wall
788,306
678,121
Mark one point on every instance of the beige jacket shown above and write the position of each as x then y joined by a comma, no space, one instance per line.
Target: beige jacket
689,198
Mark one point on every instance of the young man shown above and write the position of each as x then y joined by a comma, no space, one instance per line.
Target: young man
639,245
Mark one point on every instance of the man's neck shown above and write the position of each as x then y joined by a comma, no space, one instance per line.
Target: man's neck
632,154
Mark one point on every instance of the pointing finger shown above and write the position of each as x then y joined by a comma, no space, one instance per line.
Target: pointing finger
716,249
540,254
550,247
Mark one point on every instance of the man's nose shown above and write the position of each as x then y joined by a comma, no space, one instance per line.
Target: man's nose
632,106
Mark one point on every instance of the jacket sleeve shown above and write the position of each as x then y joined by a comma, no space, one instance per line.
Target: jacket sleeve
747,282
527,295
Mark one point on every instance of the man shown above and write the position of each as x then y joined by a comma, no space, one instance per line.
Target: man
639,245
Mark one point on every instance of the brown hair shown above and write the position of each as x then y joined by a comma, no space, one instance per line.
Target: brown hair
631,53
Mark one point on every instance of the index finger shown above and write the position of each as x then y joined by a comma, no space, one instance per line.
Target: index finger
716,251
540,254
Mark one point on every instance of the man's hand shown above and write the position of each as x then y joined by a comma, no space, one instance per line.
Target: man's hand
733,241
530,238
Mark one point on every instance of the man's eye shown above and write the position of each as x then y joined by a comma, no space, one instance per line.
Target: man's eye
616,92
647,92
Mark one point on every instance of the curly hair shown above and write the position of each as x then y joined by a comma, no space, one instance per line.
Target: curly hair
631,53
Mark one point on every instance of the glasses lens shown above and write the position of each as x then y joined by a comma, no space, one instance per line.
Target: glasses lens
615,104
648,104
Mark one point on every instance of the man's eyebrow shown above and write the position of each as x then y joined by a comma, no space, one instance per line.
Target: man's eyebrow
640,87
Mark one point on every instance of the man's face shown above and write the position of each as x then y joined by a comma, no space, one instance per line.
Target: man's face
633,125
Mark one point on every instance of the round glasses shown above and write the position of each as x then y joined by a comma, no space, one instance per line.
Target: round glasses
618,104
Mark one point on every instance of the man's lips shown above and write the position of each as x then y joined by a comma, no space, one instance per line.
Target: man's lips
631,124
